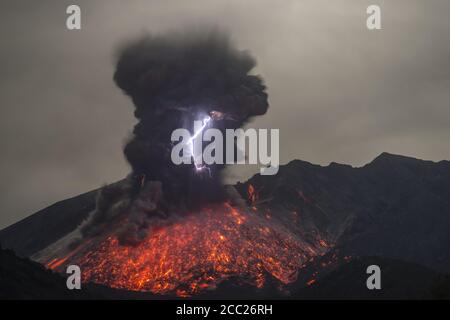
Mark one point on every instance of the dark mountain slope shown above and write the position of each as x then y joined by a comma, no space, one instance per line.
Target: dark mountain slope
47,225
395,207
399,280
24,279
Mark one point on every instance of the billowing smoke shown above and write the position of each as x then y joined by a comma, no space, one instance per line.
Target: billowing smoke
174,80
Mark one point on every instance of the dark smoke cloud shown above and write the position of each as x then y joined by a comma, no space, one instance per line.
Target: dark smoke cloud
342,93
174,79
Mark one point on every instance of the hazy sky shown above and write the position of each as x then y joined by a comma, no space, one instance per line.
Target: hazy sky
338,92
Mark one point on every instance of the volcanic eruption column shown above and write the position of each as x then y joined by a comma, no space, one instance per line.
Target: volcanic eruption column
174,80
133,239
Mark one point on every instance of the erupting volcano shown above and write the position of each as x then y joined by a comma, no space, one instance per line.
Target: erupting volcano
172,228
196,253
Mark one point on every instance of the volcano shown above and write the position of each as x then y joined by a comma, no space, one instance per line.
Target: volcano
289,232
172,228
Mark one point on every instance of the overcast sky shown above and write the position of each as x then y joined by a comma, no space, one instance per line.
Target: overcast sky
338,92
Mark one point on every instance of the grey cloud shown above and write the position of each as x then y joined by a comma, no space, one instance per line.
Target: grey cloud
337,91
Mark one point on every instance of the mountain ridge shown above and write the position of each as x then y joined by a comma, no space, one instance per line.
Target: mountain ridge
394,206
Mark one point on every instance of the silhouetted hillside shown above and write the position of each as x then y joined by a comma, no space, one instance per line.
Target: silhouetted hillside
399,280
395,209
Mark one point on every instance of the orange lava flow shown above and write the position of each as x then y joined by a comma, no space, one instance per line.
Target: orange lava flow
198,252
252,194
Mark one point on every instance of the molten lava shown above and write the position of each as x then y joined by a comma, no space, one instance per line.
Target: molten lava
252,194
194,253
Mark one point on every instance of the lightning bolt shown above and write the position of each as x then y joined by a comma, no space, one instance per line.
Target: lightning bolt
205,121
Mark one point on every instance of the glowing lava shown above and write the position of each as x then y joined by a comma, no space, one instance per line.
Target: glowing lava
252,194
195,253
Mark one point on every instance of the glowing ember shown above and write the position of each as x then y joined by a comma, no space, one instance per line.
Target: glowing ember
310,282
252,194
195,253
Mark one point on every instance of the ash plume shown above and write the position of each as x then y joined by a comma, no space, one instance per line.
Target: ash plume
173,80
